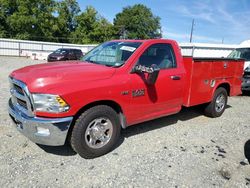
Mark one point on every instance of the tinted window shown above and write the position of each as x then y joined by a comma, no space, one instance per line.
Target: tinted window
241,53
61,51
79,52
71,52
159,54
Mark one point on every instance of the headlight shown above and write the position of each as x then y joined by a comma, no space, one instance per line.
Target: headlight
59,57
49,103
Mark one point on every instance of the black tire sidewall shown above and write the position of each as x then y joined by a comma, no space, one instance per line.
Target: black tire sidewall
217,93
78,133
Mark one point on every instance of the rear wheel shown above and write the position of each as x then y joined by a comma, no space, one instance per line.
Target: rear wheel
95,132
217,106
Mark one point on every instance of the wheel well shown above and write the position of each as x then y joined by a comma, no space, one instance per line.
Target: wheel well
226,86
110,103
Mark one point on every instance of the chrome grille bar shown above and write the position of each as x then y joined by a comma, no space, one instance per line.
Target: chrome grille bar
20,97
22,103
18,89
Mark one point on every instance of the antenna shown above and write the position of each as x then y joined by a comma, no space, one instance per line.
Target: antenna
192,29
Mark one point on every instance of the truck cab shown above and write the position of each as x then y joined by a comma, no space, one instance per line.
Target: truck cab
243,51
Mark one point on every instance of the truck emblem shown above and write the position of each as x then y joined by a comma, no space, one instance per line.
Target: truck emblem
138,92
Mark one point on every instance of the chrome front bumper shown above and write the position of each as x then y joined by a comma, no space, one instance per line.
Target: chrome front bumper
45,131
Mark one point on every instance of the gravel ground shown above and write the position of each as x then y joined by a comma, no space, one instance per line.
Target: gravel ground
183,150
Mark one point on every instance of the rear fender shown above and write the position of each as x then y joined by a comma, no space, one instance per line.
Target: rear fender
220,83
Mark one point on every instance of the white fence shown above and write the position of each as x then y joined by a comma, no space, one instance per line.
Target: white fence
206,50
40,50
11,47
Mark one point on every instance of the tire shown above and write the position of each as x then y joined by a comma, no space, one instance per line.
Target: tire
95,132
217,106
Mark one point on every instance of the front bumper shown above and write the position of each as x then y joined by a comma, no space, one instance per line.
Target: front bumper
45,131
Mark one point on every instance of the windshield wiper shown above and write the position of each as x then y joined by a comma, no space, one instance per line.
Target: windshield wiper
90,61
107,65
94,62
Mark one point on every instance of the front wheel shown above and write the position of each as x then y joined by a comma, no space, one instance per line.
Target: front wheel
217,106
95,132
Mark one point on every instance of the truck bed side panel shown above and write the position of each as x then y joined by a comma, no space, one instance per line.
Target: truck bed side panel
205,75
197,89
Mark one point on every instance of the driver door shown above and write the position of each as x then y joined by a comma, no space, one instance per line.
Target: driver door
165,96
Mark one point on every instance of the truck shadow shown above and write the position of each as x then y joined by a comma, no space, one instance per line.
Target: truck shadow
184,115
64,150
245,93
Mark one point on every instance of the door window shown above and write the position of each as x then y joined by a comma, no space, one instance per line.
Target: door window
71,52
161,55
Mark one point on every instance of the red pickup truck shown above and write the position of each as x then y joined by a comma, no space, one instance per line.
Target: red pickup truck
118,84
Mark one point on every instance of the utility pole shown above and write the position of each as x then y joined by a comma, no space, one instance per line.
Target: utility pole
222,40
192,29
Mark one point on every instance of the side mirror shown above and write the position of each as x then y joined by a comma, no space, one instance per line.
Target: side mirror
152,77
153,72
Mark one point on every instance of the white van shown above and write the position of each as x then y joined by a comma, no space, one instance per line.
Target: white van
243,51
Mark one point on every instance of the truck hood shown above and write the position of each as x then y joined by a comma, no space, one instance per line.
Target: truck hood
51,75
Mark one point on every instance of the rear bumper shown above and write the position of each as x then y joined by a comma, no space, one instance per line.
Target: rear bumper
45,131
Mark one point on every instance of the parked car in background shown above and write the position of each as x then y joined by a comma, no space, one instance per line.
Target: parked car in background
243,52
64,54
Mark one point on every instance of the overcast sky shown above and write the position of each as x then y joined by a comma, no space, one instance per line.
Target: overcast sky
215,20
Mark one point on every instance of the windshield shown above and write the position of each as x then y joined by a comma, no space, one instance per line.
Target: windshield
60,51
112,53
243,53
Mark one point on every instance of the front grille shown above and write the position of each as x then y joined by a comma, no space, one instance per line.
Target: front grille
20,97
18,89
22,103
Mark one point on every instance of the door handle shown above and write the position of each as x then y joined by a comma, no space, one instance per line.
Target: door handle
175,77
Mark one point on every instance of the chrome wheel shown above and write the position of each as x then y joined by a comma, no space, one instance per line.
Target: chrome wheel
220,103
98,132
